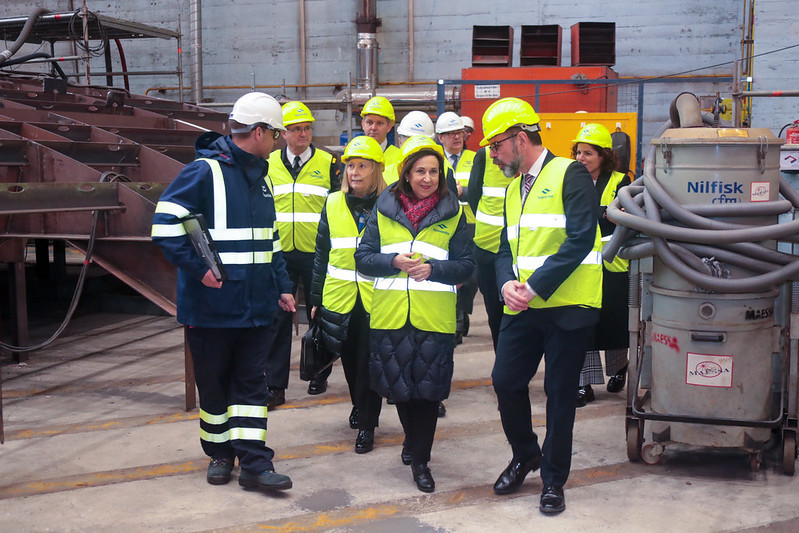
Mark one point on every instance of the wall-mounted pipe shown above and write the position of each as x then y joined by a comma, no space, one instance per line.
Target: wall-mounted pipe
366,46
303,62
411,31
195,16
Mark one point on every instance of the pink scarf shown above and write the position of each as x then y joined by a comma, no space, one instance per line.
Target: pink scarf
416,209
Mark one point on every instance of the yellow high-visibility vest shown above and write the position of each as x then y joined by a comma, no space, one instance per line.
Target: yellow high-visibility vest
536,232
342,280
608,195
489,217
429,305
299,203
462,172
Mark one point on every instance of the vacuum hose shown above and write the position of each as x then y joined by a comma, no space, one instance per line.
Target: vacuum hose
693,248
5,55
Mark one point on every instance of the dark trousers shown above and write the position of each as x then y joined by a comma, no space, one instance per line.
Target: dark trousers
355,361
418,419
523,340
487,282
278,344
229,368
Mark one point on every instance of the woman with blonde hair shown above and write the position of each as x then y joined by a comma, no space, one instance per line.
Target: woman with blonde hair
340,296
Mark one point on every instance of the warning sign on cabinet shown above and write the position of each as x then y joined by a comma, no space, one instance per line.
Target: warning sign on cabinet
708,370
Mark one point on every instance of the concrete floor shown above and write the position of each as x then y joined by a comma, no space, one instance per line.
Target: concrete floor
97,439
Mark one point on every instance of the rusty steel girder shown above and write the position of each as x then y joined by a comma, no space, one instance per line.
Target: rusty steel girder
63,156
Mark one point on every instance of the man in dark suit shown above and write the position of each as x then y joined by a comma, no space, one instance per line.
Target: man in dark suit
549,274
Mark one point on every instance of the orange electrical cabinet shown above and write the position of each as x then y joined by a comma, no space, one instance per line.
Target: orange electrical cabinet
558,130
593,96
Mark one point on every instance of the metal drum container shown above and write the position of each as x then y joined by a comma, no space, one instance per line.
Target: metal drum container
712,353
712,358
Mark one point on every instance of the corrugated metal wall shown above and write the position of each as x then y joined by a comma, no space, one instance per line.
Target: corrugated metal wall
257,41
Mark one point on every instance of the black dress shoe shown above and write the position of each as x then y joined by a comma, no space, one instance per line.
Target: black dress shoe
442,410
317,386
423,478
616,383
513,476
276,397
585,395
405,455
365,441
354,418
552,500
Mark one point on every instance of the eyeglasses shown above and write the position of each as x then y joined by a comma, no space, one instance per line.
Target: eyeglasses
300,129
494,146
265,127
455,133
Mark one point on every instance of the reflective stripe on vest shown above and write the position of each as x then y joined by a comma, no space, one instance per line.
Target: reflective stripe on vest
342,281
462,173
608,195
236,246
539,232
430,306
489,218
299,202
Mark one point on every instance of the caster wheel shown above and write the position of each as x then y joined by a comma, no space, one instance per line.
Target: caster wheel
788,452
755,460
651,453
635,440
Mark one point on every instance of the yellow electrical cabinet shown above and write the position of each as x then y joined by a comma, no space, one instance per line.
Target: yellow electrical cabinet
558,130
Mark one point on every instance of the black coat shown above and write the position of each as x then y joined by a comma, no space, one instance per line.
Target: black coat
408,363
611,332
334,325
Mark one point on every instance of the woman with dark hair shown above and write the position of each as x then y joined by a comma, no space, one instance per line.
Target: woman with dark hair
341,297
593,148
417,248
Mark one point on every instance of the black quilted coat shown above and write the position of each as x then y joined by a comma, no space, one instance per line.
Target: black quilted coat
408,363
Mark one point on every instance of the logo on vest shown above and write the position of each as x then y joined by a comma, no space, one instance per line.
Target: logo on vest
545,193
441,228
265,191
317,174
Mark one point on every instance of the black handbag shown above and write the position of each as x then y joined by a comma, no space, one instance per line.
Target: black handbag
313,356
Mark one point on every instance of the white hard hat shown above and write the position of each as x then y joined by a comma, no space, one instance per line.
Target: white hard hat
416,123
448,121
257,108
467,122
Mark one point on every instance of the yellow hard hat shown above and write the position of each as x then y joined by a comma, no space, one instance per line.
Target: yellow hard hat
378,105
417,143
596,134
365,148
296,112
506,113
